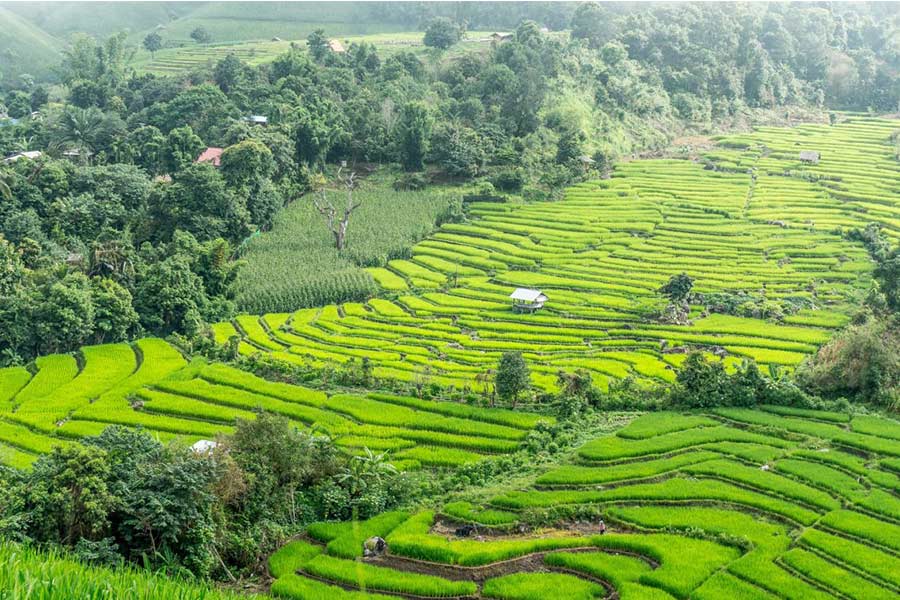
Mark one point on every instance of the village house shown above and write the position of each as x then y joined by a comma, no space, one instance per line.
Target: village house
211,155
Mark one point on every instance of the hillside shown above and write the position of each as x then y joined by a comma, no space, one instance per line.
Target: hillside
473,301
723,505
62,19
227,21
761,232
26,48
151,386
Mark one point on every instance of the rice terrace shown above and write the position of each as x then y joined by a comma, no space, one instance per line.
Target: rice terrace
470,300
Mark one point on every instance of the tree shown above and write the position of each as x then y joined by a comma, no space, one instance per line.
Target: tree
279,462
702,383
678,288
5,188
170,297
337,219
317,44
513,377
246,163
458,149
201,35
63,314
12,271
442,33
146,148
227,73
413,131
153,43
591,22
68,498
319,128
199,201
862,362
80,128
364,477
182,146
114,316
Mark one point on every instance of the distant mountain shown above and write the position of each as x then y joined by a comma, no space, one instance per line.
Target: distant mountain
62,19
25,48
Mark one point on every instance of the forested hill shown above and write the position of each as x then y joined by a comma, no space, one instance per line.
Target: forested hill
31,23
834,47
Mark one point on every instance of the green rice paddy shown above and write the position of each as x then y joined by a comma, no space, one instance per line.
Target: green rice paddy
151,385
750,218
707,519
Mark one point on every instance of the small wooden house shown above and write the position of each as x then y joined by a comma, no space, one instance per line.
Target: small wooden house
336,46
809,156
257,120
527,300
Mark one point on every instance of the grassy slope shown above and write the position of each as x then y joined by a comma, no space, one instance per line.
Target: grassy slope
25,47
61,19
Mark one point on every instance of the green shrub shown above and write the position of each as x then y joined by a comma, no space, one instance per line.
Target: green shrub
863,361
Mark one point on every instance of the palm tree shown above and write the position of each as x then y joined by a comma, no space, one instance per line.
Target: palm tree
5,189
362,472
79,129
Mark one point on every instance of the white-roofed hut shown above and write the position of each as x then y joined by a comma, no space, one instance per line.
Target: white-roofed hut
810,156
527,300
204,446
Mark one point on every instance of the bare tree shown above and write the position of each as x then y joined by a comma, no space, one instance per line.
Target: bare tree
336,218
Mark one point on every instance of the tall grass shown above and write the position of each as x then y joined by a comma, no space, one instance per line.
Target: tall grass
296,264
28,574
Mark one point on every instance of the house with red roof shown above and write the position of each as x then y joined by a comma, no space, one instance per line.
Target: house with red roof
211,155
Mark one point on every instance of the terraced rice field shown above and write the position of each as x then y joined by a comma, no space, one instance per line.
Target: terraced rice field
736,504
64,398
761,222
173,61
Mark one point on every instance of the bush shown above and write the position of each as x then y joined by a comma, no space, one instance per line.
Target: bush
410,182
509,180
702,383
863,361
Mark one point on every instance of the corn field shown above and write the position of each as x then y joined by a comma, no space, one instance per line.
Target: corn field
296,264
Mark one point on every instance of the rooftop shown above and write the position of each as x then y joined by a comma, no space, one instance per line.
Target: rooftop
528,295
211,155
